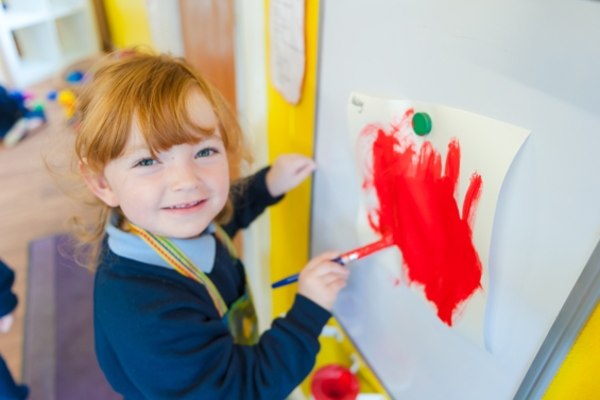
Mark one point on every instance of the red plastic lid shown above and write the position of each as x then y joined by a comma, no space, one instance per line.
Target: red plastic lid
334,382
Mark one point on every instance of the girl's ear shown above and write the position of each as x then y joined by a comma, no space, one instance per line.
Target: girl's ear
98,184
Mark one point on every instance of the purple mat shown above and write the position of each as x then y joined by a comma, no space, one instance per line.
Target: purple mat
58,356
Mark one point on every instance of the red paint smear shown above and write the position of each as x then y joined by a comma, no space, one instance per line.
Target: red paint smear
418,209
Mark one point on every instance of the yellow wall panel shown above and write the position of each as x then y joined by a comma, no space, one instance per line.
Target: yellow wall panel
128,23
290,129
579,376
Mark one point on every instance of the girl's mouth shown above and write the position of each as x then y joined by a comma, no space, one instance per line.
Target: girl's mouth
185,206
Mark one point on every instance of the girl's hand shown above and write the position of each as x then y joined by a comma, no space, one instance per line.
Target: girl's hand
287,172
322,279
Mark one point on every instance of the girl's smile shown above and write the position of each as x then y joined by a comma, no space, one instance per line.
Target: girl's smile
187,206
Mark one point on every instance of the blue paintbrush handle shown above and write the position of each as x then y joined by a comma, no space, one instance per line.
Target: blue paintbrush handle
294,278
285,281
346,258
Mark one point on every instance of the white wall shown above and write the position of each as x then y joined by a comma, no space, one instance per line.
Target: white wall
2,74
165,26
531,63
252,111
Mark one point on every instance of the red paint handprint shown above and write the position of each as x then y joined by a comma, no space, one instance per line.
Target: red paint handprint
417,206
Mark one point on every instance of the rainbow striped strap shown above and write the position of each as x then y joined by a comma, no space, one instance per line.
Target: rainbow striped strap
226,240
181,263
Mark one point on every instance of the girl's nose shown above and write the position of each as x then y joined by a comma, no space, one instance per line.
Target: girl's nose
183,176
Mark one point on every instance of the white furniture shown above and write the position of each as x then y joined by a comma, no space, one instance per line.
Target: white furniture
38,38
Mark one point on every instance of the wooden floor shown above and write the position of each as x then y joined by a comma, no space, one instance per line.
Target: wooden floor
31,207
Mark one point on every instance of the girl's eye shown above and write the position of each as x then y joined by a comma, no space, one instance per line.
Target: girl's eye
145,162
209,151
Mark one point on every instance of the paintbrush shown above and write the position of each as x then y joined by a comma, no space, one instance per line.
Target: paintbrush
345,258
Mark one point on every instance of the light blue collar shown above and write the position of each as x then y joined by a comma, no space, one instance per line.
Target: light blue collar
200,250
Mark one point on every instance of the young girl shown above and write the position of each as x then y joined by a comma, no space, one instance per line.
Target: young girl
173,318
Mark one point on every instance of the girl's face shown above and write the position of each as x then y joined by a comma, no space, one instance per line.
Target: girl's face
178,193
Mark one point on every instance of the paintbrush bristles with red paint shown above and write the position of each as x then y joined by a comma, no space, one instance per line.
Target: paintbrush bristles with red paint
347,257
364,251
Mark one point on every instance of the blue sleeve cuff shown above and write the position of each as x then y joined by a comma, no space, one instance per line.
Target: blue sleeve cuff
261,186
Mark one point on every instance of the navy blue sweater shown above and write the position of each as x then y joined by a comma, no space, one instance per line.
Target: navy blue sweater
159,336
8,300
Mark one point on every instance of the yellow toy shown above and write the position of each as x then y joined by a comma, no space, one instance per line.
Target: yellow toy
66,98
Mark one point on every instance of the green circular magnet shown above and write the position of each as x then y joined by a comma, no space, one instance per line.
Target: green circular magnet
421,123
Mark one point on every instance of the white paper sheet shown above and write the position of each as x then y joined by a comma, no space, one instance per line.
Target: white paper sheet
487,148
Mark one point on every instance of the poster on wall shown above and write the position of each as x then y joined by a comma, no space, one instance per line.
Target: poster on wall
287,47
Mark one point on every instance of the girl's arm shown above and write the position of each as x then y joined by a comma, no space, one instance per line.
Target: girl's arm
252,195
161,338
250,198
